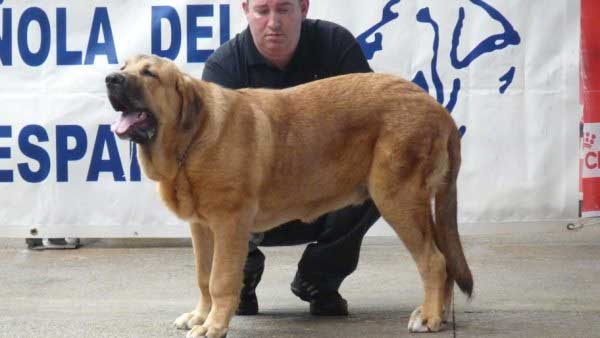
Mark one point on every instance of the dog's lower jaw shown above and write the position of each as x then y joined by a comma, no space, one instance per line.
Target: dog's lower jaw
143,137
149,159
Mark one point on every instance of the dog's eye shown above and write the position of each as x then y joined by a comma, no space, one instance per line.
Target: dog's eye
147,72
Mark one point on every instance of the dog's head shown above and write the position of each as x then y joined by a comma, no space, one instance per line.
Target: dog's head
154,97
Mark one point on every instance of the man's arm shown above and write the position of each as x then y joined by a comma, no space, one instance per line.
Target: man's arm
352,59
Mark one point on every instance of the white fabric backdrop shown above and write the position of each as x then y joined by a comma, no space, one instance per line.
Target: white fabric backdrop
520,147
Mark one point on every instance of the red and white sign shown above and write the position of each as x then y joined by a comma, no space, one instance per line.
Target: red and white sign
590,95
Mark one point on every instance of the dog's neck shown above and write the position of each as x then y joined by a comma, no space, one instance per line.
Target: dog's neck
166,164
183,156
159,166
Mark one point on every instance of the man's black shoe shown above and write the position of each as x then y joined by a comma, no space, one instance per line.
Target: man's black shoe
248,305
329,304
322,303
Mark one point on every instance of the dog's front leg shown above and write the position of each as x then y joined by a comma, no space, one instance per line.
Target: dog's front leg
202,239
230,251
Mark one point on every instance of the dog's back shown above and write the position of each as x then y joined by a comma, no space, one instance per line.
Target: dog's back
322,137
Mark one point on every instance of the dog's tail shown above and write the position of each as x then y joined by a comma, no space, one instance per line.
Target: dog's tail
446,228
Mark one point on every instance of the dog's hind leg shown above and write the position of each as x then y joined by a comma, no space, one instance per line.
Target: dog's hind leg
202,240
403,199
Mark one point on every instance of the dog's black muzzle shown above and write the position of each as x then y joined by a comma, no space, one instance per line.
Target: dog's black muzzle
119,93
115,80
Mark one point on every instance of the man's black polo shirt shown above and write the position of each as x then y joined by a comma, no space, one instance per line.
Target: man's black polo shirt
325,49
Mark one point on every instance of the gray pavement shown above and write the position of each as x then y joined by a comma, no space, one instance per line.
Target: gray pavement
526,285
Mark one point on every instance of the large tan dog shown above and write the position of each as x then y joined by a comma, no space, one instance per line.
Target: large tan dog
232,162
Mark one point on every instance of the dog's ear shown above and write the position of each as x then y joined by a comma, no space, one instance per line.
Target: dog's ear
190,103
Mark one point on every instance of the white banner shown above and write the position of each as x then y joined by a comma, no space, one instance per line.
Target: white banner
508,72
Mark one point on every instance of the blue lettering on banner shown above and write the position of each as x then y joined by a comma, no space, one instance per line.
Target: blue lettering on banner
72,140
169,14
5,175
6,37
30,15
63,154
33,142
34,152
100,30
63,56
224,20
101,21
101,42
134,166
371,42
194,32
105,140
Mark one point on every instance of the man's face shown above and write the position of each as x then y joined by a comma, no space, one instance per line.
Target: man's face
275,25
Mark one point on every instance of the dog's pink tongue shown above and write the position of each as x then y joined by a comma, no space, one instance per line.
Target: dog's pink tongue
122,125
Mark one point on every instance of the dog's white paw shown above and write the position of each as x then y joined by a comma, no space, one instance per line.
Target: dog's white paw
205,331
188,320
418,323
197,331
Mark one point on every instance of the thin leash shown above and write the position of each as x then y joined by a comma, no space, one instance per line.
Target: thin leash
453,316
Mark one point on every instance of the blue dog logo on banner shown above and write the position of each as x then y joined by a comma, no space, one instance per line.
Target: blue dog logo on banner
372,41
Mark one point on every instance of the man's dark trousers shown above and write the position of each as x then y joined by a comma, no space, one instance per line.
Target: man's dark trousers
335,240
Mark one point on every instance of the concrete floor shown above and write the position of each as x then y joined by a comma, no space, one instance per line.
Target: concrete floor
527,285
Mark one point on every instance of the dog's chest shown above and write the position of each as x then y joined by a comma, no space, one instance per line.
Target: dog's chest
179,198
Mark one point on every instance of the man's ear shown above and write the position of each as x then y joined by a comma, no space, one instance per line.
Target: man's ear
304,4
190,103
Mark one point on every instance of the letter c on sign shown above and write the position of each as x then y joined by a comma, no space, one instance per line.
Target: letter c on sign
587,160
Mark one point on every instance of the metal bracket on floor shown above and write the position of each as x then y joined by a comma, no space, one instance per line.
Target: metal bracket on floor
52,243
583,222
